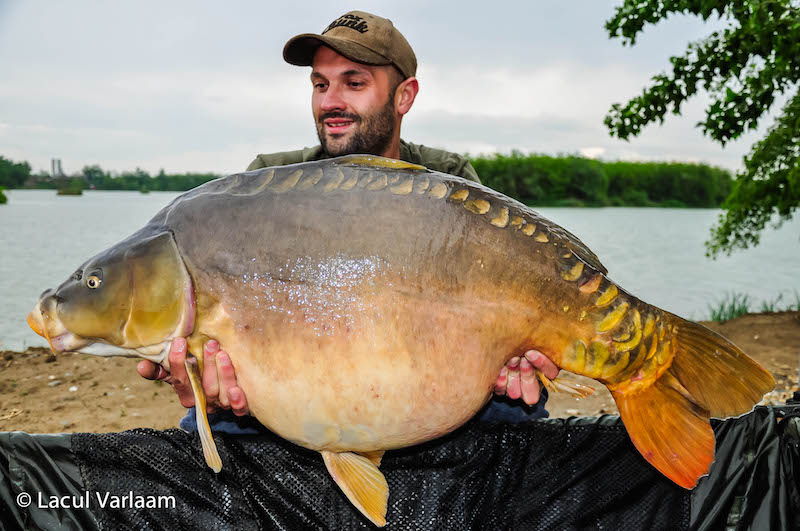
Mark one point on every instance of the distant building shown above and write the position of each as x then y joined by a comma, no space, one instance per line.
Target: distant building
55,168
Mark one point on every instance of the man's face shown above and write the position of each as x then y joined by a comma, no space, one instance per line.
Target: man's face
353,104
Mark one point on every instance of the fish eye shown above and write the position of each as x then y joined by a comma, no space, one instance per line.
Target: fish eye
93,282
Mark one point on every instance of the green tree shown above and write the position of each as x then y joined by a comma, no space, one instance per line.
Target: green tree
94,175
13,174
743,67
587,181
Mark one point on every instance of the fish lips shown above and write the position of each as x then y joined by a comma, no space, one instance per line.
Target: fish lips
36,322
43,320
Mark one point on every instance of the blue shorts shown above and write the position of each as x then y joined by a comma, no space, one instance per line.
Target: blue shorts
499,409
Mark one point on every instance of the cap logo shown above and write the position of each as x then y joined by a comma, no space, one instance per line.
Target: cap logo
350,21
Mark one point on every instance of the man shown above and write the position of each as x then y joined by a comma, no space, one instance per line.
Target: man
363,81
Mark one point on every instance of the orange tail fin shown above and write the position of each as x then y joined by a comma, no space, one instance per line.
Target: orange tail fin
668,421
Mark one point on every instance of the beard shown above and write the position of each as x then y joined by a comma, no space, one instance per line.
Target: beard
372,133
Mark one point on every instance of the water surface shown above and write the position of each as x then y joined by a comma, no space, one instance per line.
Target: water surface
657,254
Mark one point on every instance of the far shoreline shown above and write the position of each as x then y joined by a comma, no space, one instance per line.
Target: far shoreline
565,203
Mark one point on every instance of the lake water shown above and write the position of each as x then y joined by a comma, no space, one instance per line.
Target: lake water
657,254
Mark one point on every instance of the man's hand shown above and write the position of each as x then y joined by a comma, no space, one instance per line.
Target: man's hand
219,379
518,378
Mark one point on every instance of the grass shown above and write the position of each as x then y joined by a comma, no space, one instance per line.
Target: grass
796,306
737,304
770,306
731,306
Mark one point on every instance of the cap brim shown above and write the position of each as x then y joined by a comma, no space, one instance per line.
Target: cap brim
300,50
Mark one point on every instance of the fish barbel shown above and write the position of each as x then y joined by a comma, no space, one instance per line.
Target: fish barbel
369,304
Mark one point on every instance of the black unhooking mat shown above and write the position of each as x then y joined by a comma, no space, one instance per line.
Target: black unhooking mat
545,474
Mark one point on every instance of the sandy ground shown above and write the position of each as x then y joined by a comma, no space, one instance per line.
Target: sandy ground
41,393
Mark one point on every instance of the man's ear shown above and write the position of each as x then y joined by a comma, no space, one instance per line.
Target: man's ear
405,94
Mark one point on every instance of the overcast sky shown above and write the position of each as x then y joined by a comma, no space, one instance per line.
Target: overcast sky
202,86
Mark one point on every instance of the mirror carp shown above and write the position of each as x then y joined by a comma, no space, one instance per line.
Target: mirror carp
369,304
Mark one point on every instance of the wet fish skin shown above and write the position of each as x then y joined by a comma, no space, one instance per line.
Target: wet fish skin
368,304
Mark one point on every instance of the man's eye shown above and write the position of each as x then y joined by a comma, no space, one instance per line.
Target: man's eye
356,84
320,86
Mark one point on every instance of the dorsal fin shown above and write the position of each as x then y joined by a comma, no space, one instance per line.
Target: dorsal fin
582,251
554,232
378,162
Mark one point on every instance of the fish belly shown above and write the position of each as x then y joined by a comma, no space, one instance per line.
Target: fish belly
373,315
396,371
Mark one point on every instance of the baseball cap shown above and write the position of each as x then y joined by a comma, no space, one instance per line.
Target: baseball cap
359,36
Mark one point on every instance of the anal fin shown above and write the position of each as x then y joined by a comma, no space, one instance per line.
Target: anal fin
213,459
361,481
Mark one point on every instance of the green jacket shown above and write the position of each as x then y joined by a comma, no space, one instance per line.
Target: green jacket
434,159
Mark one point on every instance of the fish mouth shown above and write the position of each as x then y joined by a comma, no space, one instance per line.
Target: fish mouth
44,322
64,342
35,322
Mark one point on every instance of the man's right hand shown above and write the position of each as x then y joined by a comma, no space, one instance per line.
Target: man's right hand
518,378
219,379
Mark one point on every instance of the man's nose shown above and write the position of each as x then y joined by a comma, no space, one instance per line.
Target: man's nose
332,100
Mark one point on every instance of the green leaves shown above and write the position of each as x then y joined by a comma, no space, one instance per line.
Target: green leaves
768,190
744,68
13,174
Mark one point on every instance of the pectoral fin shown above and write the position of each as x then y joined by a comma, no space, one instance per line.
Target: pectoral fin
209,448
565,386
361,481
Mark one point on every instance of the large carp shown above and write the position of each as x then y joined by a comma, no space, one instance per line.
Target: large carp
369,304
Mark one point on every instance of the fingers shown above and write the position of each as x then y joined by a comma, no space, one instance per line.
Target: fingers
219,381
542,363
231,394
224,376
219,378
178,377
518,378
502,382
513,389
238,401
528,383
151,371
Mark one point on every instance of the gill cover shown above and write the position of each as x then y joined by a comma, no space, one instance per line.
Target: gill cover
131,295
